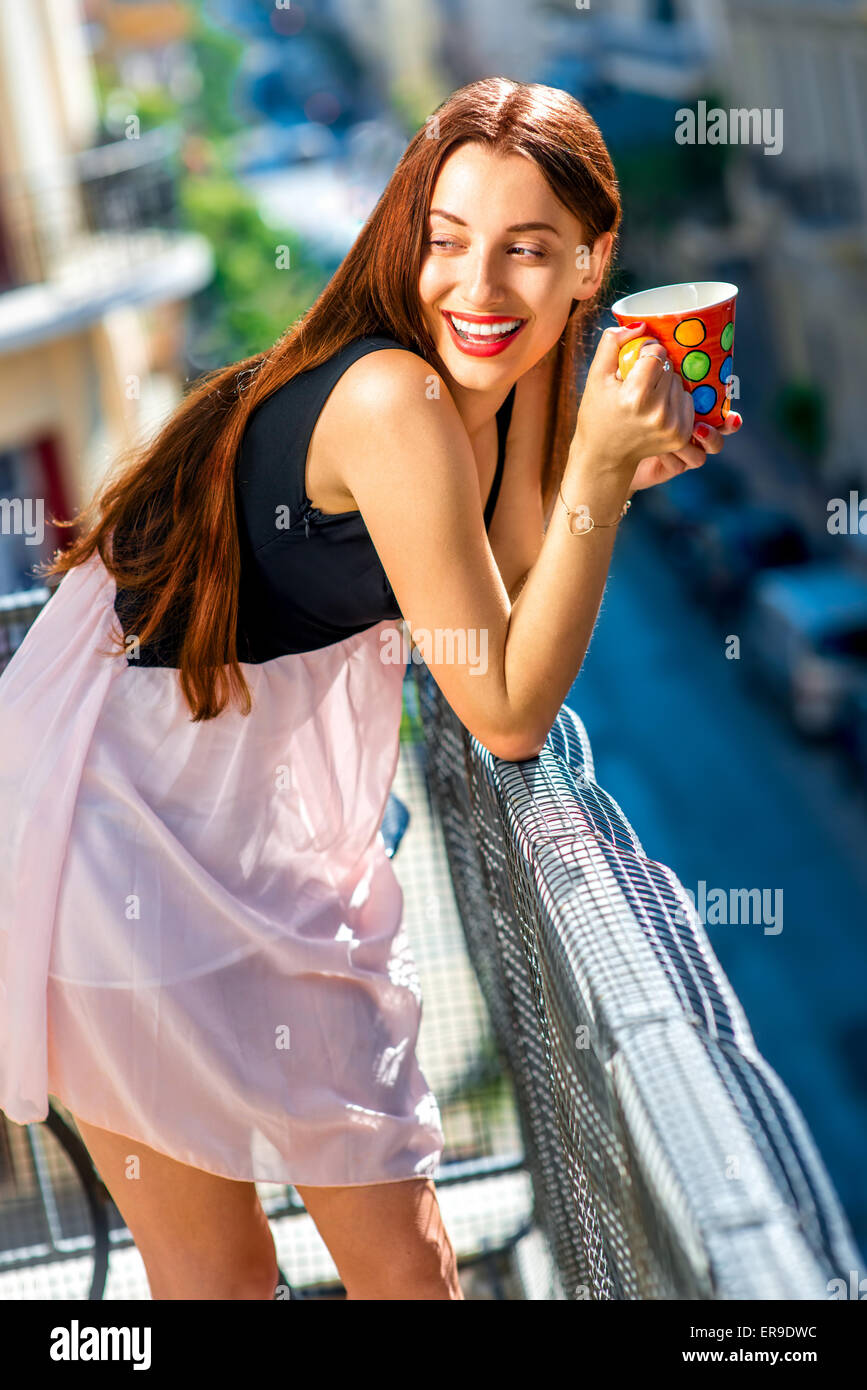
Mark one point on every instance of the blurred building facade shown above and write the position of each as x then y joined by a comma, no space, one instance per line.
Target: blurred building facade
805,210
400,41
93,279
799,217
480,38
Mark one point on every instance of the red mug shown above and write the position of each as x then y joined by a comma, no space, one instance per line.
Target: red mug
695,322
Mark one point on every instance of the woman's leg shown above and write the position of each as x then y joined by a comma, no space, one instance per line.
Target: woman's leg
200,1236
386,1239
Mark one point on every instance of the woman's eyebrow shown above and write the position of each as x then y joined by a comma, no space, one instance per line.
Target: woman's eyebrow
515,227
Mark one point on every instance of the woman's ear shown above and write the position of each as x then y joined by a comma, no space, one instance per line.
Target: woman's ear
593,266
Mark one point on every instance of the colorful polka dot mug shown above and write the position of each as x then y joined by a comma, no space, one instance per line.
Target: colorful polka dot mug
695,322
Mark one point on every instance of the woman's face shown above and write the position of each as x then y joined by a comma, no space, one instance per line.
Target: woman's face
483,266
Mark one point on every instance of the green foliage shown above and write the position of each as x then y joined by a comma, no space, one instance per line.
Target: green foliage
152,105
218,57
155,107
254,296
800,412
411,727
251,301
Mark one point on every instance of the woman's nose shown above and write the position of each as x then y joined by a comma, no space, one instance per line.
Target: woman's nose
481,285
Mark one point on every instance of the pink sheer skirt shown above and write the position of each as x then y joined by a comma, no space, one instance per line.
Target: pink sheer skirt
201,936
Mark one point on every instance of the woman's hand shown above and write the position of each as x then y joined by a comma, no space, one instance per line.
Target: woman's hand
658,468
622,423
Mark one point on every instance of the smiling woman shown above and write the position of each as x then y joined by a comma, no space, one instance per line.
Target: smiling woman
200,732
492,287
499,291
491,331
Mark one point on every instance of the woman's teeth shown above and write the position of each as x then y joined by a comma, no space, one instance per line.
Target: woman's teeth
486,331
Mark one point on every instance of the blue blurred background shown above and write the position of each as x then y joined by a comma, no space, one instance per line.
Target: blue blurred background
179,180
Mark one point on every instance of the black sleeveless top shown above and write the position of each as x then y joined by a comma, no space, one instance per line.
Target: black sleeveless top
308,578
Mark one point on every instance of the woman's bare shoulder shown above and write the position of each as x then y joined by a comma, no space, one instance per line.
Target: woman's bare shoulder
388,376
384,388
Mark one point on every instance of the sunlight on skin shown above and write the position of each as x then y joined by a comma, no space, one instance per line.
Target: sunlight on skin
475,265
482,268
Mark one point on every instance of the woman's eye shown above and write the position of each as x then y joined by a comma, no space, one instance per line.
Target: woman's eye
527,250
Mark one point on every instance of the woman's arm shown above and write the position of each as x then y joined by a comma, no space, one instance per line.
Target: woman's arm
413,474
519,525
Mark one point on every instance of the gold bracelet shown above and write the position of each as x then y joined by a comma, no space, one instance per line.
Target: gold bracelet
573,511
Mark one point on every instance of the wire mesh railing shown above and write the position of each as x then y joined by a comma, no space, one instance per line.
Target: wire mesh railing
668,1160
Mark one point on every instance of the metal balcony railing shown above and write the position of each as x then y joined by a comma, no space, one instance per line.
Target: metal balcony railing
17,613
96,231
668,1159
116,198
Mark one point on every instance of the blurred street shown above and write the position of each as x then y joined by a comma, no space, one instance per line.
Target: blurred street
717,788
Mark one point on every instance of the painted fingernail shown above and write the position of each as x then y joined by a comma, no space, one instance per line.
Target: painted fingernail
736,419
702,431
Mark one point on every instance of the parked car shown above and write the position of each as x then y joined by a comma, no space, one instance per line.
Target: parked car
685,500
724,551
805,635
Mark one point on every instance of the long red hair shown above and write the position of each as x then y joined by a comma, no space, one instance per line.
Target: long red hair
174,496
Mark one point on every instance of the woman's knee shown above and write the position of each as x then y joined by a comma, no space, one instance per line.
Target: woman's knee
240,1265
199,1235
229,1279
426,1273
386,1239
243,1269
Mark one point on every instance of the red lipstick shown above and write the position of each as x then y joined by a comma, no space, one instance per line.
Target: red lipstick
482,345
